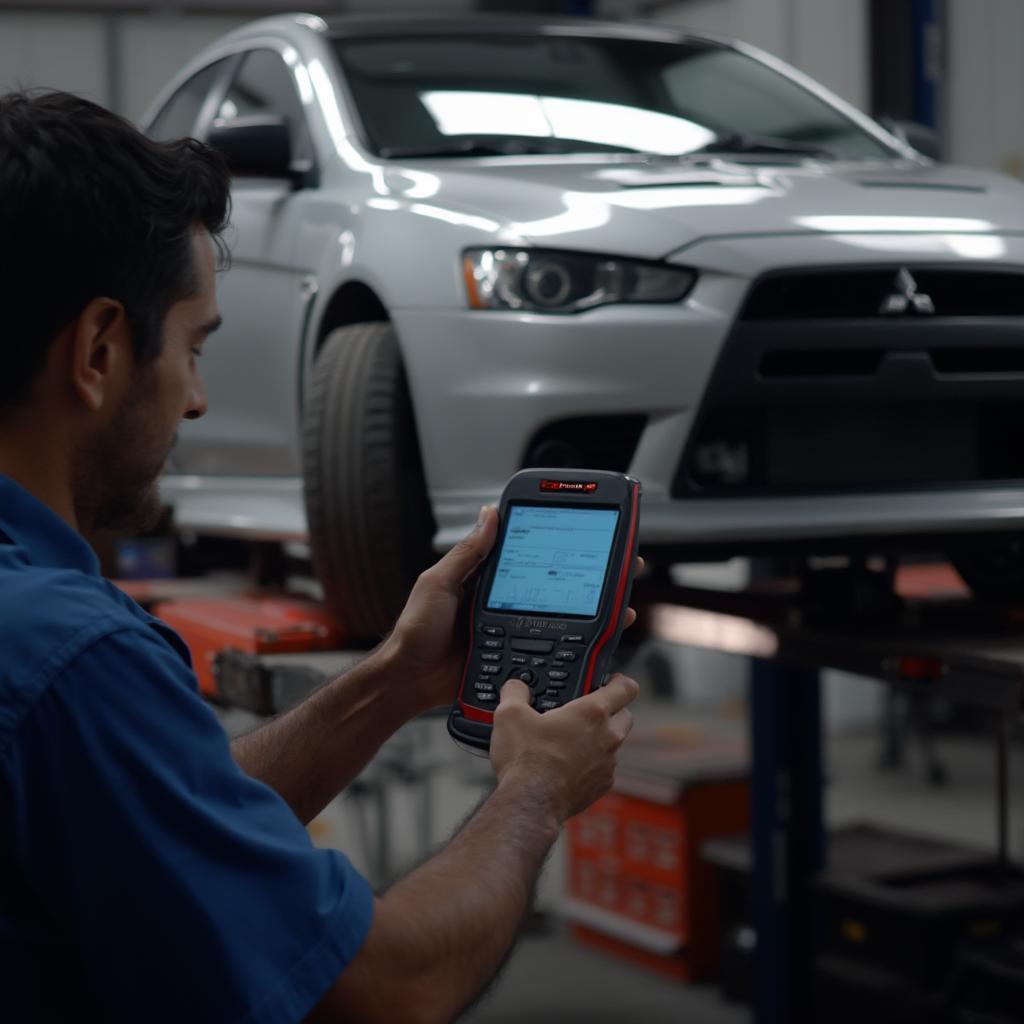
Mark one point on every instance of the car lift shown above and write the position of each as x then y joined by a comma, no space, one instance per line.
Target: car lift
851,621
848,620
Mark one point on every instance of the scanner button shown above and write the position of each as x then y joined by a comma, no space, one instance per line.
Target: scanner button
565,655
557,674
554,685
524,674
522,643
492,630
490,657
486,698
546,705
572,638
481,687
537,662
518,659
493,645
490,670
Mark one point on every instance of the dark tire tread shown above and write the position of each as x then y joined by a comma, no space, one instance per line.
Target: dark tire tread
370,525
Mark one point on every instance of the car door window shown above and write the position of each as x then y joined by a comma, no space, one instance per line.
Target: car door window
264,86
178,116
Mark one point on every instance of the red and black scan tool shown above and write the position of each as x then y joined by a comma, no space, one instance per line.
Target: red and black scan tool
552,596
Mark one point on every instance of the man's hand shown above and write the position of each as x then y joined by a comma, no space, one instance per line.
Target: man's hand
567,755
427,646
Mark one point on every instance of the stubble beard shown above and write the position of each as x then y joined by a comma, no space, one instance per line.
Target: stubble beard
117,478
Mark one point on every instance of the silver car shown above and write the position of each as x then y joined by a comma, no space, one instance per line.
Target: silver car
465,246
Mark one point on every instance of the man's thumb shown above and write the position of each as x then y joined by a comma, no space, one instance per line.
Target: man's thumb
515,691
464,559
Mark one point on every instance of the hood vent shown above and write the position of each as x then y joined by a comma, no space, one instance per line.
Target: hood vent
919,186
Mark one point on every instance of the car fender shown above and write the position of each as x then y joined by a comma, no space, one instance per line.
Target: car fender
350,242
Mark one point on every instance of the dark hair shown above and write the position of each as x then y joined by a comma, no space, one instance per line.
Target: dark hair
90,207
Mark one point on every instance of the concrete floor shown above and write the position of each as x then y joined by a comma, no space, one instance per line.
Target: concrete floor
552,980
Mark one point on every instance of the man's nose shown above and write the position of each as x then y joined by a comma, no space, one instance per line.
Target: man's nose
197,403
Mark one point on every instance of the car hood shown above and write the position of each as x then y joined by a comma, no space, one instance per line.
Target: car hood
653,209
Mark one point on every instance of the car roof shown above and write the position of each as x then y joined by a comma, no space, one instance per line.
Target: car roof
355,26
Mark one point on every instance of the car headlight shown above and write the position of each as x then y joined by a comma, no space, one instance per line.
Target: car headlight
548,281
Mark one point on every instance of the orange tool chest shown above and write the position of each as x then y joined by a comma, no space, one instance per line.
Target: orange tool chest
243,629
637,886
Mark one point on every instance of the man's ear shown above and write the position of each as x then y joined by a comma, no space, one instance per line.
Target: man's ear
101,353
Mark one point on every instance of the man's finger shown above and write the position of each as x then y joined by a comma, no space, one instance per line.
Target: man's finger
515,691
630,618
617,693
454,568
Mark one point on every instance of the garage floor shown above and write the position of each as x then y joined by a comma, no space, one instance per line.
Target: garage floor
553,980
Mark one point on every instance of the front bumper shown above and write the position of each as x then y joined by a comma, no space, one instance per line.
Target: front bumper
484,384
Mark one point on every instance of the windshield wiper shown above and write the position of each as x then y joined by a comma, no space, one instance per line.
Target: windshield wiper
738,142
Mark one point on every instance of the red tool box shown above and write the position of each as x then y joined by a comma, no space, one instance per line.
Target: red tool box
247,625
637,885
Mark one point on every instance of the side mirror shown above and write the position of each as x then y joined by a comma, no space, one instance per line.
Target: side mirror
925,140
256,147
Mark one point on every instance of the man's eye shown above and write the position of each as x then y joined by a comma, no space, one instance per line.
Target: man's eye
197,352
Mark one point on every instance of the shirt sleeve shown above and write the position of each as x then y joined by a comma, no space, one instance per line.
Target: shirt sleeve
191,890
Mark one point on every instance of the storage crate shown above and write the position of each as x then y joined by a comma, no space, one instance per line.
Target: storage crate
636,885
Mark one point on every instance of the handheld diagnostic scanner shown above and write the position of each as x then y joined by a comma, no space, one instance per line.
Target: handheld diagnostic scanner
551,597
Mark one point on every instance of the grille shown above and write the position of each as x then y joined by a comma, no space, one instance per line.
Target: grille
795,364
849,447
847,294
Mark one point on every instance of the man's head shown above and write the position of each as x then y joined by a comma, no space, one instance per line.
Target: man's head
106,291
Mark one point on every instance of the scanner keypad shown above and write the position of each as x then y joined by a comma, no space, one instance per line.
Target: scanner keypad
545,661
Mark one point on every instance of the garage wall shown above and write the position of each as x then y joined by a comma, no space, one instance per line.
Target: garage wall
119,60
828,39
984,123
66,51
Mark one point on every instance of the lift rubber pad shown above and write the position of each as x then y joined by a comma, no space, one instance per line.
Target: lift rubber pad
253,624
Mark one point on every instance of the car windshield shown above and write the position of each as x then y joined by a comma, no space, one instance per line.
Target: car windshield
462,96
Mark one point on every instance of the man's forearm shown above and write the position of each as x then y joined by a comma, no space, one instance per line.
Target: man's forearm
311,753
443,931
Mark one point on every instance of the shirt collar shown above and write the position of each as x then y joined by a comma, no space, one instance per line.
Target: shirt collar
34,526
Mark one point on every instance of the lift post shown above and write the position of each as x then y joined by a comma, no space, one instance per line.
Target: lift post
954,649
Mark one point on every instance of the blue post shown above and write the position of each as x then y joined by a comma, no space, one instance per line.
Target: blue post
788,837
926,34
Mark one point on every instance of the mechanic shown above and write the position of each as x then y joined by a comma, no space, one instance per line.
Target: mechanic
150,870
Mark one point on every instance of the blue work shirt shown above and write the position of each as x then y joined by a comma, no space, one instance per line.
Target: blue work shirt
143,875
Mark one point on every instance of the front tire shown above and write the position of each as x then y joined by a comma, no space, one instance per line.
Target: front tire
370,522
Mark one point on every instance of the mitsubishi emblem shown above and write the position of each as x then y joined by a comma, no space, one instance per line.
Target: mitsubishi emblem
906,297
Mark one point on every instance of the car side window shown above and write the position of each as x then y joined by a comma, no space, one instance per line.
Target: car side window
178,116
264,86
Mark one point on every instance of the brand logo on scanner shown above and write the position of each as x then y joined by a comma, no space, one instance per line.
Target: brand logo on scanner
579,486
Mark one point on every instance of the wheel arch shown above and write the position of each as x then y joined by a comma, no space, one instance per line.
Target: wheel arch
353,302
